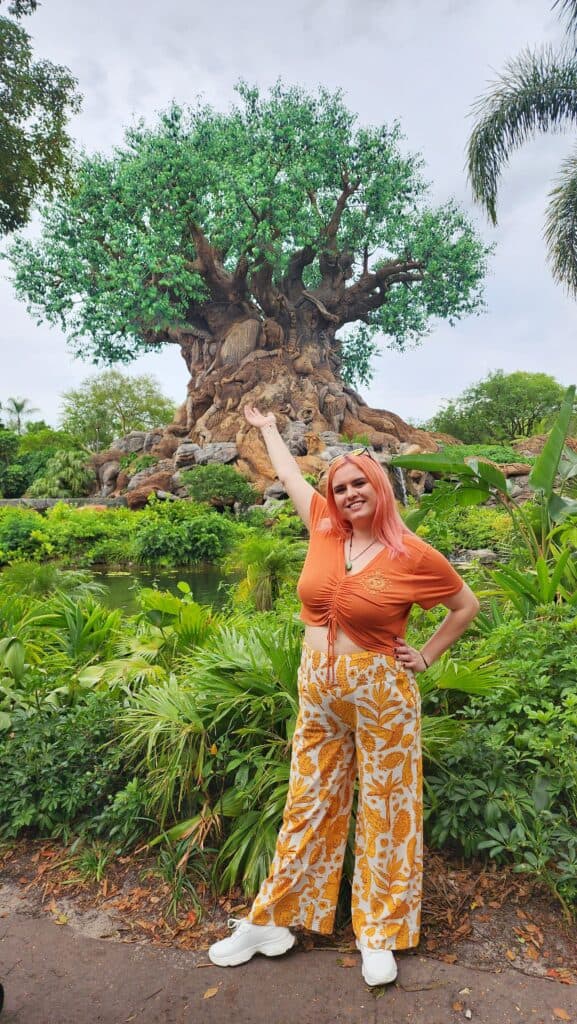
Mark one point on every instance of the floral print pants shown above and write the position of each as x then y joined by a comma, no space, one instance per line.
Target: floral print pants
365,720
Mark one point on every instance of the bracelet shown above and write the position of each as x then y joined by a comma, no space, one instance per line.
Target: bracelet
424,659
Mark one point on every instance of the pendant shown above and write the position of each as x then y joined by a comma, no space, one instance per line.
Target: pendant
348,566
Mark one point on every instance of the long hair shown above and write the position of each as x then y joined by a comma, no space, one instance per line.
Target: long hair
388,527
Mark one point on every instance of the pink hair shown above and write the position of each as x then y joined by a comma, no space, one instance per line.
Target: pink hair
388,527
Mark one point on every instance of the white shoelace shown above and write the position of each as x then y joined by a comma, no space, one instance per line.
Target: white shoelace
234,923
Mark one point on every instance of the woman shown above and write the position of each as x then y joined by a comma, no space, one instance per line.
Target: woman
359,713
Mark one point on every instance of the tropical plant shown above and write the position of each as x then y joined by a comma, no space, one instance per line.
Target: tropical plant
268,563
169,628
66,475
85,630
535,524
40,580
535,93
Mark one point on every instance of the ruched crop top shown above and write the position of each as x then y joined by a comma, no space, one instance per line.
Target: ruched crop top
372,605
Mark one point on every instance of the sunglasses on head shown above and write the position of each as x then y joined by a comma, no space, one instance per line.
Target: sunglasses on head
356,451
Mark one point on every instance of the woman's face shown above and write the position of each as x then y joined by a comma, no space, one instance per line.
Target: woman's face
355,498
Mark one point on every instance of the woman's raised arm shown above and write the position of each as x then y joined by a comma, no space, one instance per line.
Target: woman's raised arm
285,466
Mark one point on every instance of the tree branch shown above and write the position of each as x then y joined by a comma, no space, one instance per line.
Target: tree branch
321,307
206,255
292,282
333,225
369,292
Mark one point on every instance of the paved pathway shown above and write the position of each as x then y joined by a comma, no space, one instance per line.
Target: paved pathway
53,975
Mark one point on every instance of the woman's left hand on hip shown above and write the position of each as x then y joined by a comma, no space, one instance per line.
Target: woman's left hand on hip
409,657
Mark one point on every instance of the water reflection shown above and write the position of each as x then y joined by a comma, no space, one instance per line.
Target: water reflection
208,584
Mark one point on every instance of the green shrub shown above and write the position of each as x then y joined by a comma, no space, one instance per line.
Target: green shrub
88,536
363,440
181,533
471,527
510,787
123,820
134,463
499,453
56,770
18,528
220,486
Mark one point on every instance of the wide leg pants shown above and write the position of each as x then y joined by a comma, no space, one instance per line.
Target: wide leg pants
364,718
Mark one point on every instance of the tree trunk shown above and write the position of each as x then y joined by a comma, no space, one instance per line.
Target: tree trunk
287,364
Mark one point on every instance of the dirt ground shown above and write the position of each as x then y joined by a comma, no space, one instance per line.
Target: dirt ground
494,948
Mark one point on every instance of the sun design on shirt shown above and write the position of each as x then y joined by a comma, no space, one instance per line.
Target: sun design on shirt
376,582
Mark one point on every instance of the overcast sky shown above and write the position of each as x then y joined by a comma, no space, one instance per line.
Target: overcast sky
420,61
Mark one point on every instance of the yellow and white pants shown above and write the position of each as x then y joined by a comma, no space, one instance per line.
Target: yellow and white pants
365,721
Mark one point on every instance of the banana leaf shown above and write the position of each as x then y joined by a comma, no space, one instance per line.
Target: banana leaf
542,476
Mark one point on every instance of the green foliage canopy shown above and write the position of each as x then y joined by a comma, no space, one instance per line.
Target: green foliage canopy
239,209
110,404
36,100
501,407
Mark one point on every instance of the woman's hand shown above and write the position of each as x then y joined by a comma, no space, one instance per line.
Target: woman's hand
257,418
409,657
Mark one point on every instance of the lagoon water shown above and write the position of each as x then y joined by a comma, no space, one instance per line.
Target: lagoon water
208,584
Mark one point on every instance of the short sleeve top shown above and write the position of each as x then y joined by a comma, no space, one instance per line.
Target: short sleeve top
371,606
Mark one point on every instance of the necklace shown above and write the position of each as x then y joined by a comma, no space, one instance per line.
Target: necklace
349,561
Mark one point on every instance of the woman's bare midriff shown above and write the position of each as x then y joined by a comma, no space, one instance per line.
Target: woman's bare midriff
316,637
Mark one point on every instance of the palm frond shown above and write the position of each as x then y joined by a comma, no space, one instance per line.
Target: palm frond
561,225
536,93
568,12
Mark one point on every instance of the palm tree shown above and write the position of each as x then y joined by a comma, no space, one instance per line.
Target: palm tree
537,92
268,563
66,475
18,409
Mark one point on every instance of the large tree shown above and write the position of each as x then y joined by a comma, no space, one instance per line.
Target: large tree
111,404
250,239
501,407
537,92
36,100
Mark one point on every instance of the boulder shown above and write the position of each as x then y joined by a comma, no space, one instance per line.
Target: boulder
133,442
294,436
166,446
218,451
485,556
156,481
185,455
276,491
163,468
516,469
153,437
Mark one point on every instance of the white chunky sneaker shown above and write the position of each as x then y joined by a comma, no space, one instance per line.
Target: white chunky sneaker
379,967
248,939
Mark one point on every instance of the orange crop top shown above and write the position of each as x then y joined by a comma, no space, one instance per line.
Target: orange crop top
371,606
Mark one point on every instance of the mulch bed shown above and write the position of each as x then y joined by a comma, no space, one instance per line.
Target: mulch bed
475,914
